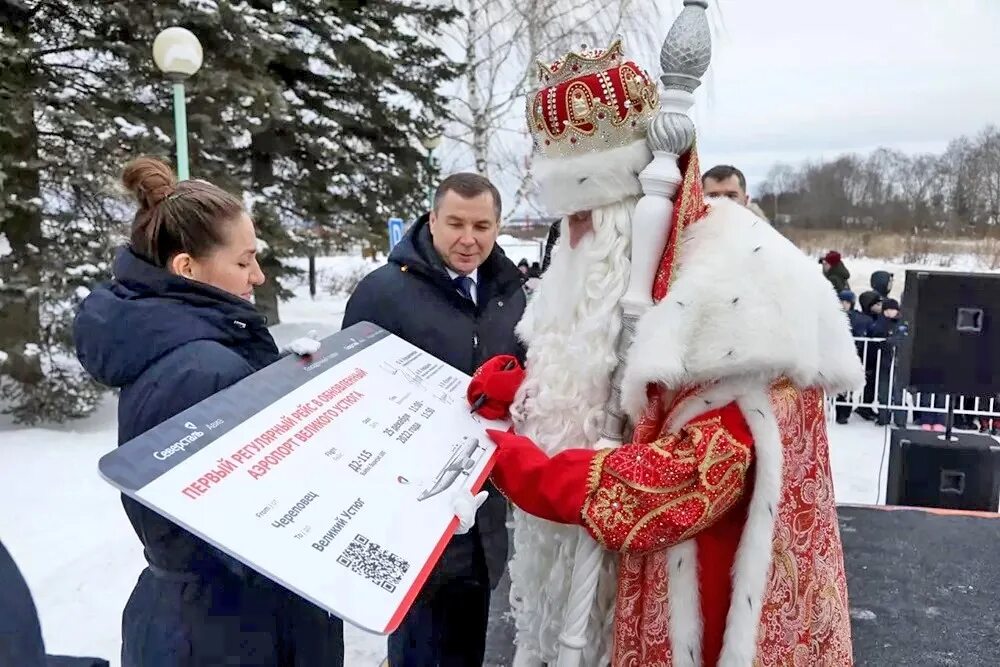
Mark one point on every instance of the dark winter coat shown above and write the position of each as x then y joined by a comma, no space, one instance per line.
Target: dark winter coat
168,343
884,327
866,301
880,283
20,633
838,275
860,323
413,297
893,331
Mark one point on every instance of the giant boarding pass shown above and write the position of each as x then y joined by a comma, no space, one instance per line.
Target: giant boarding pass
333,474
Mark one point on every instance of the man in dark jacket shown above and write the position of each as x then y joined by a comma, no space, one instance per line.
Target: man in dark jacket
449,290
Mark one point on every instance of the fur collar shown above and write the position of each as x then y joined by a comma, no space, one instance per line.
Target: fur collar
745,304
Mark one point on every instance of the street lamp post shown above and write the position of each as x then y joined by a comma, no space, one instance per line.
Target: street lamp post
178,54
431,142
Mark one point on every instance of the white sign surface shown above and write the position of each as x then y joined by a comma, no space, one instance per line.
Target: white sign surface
332,476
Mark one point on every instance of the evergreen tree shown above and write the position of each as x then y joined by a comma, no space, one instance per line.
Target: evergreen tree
49,140
312,109
361,93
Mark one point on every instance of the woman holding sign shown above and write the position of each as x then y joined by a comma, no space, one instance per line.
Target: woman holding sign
175,326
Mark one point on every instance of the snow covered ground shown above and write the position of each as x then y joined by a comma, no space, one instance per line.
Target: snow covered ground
67,531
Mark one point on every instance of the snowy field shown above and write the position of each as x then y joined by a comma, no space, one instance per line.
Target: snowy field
66,529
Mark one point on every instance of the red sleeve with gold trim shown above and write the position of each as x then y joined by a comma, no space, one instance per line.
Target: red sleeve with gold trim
648,497
640,497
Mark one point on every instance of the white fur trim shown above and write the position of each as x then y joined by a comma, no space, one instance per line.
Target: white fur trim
752,566
745,302
591,180
685,604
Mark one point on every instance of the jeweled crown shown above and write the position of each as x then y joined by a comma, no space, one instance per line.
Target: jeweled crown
590,101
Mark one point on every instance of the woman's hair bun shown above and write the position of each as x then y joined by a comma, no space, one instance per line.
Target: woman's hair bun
150,180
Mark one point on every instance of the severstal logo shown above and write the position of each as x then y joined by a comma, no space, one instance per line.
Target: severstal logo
181,444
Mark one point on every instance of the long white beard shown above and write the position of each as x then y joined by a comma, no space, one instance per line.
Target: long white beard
571,328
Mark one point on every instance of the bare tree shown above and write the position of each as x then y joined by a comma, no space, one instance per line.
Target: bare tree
958,190
985,163
781,178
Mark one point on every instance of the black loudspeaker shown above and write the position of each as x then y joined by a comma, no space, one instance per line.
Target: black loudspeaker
953,346
926,471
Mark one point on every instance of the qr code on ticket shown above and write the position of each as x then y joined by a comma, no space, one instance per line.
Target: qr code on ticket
369,560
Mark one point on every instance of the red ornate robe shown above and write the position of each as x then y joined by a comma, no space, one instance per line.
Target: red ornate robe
722,506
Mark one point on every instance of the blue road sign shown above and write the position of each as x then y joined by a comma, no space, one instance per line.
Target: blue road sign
395,232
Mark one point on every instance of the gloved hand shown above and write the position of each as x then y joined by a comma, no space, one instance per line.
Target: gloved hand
498,380
305,346
552,488
465,505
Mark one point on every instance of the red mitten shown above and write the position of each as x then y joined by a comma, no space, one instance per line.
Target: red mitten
550,488
498,380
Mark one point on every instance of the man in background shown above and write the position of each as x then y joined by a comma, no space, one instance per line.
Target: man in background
725,181
728,181
451,291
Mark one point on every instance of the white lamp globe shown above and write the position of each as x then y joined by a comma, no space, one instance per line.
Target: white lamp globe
176,51
431,142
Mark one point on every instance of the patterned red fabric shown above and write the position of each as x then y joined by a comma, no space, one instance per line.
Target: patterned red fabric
498,379
637,498
646,497
590,102
805,620
689,207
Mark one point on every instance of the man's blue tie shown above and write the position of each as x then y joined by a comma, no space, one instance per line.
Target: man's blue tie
464,285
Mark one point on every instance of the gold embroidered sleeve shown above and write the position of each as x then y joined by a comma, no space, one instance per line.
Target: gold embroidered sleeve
646,497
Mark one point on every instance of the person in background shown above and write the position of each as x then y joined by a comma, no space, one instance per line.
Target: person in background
522,266
881,282
871,305
175,326
836,271
890,327
931,420
727,182
450,290
859,324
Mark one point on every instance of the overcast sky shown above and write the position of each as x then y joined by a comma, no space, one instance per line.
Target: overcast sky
804,79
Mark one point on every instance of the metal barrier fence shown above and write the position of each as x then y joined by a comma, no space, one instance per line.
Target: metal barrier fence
881,395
